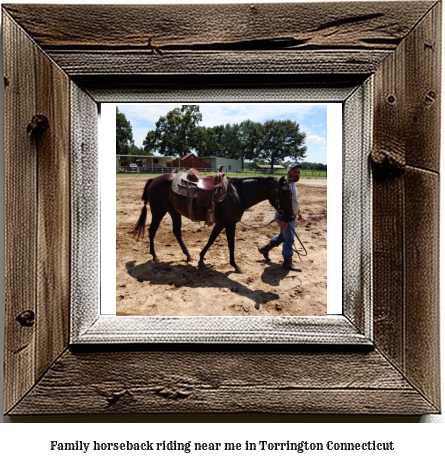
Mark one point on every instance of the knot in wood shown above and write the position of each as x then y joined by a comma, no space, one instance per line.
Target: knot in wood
26,318
114,397
172,393
37,126
387,163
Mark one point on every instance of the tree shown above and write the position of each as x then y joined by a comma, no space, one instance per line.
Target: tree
281,139
134,150
230,144
249,135
124,134
314,166
205,141
174,133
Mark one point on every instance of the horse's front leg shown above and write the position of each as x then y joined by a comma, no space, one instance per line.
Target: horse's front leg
214,234
230,233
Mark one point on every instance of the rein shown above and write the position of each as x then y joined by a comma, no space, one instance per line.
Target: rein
257,227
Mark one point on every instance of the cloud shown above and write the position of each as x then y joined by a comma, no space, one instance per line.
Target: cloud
315,139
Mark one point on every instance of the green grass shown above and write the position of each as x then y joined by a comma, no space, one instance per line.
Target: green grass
304,174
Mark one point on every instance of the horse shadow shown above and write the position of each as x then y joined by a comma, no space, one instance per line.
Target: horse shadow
189,276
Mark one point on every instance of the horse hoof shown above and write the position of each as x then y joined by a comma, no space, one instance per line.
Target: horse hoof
188,259
156,259
204,266
238,270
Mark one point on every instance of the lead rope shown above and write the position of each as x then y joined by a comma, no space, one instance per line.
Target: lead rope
300,254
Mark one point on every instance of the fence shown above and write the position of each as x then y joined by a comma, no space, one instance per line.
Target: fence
245,173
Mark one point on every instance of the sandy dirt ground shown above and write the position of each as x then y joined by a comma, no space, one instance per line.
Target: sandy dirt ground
175,287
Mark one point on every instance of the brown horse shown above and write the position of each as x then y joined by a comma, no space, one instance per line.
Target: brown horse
242,193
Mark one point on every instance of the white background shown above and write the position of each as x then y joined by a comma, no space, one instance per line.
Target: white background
24,441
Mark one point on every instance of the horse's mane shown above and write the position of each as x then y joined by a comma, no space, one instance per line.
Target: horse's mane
232,191
234,184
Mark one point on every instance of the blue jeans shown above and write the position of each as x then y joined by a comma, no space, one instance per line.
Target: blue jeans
285,237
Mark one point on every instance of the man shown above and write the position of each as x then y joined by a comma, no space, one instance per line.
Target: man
287,230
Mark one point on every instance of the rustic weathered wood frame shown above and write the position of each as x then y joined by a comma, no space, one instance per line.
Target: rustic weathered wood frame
59,68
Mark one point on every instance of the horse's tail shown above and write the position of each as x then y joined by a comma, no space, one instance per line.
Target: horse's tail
139,227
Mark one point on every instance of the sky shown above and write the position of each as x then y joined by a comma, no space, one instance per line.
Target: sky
312,119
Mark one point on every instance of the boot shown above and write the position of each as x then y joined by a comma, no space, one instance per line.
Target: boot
290,266
266,249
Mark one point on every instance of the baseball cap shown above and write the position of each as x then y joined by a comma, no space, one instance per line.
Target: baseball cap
293,165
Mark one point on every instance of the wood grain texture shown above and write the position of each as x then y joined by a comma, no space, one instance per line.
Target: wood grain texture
160,27
389,142
53,222
218,87
408,98
388,268
20,212
129,63
422,364
423,92
223,382
37,196
357,207
406,206
84,205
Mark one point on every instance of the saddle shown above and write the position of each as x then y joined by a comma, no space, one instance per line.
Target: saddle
202,192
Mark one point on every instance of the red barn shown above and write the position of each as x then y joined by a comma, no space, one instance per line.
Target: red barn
189,161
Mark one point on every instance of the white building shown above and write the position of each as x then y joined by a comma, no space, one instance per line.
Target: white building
229,164
145,162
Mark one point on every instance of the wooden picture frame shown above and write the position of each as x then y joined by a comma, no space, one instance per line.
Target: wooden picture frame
56,72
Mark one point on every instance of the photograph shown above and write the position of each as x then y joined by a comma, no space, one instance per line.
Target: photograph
234,209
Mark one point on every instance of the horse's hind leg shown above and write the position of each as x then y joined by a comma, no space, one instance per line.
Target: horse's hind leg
177,223
214,234
154,225
230,233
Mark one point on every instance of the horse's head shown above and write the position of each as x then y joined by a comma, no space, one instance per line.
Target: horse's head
283,200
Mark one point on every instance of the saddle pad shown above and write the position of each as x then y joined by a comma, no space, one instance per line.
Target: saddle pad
179,186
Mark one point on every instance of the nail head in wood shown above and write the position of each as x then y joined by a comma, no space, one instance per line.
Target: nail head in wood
430,97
